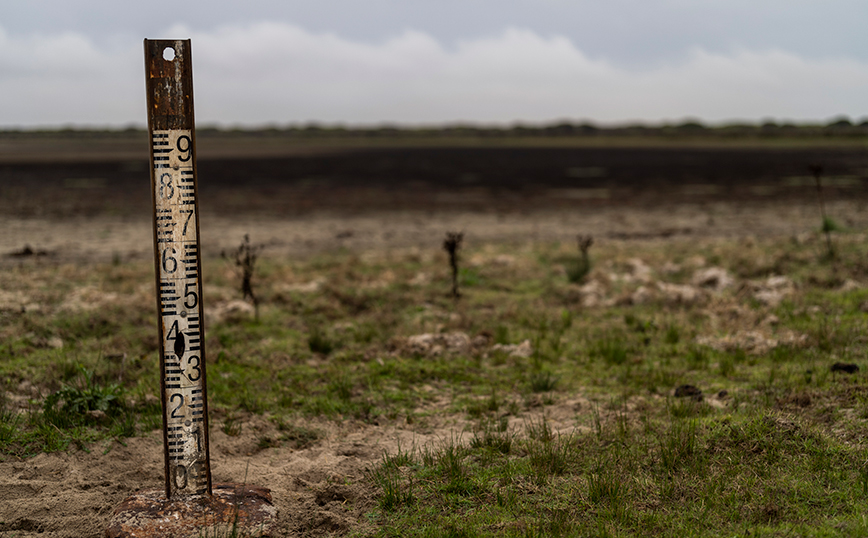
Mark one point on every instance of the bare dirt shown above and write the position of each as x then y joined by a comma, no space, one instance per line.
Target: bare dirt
69,210
317,491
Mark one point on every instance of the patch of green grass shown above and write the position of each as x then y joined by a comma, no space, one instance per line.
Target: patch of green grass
476,408
605,486
678,446
672,335
10,425
701,478
71,404
470,277
611,349
494,436
319,342
543,381
830,225
501,335
698,357
76,414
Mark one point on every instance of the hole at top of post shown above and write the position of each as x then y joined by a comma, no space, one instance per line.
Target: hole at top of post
168,54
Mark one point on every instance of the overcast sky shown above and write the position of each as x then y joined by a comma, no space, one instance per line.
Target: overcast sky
368,62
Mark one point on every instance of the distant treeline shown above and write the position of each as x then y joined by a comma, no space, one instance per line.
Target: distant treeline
693,129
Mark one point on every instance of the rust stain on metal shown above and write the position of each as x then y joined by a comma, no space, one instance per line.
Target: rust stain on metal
239,509
170,85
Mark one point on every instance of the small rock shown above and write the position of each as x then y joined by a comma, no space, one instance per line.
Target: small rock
420,279
638,270
231,311
773,290
670,268
522,350
771,320
481,340
503,259
678,294
696,261
753,342
642,295
434,344
850,285
684,391
96,415
715,278
592,294
304,287
847,368
55,342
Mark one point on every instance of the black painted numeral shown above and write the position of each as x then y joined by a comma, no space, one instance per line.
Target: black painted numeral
194,367
175,410
189,213
173,331
167,190
187,148
190,295
170,264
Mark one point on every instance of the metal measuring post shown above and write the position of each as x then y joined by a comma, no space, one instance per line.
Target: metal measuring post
190,508
184,393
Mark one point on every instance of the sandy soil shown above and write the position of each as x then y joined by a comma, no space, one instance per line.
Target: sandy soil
317,491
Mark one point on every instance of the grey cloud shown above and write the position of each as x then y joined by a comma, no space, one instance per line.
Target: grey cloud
625,32
276,73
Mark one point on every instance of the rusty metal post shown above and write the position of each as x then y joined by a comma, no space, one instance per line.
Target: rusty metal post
184,395
190,507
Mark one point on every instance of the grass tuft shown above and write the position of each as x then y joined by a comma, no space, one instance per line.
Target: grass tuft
611,349
543,381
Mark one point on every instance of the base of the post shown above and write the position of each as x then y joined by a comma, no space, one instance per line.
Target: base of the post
232,510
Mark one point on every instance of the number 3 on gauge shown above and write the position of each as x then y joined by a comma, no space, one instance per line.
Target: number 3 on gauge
195,372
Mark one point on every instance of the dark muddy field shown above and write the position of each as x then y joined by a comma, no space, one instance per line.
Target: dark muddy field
485,179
